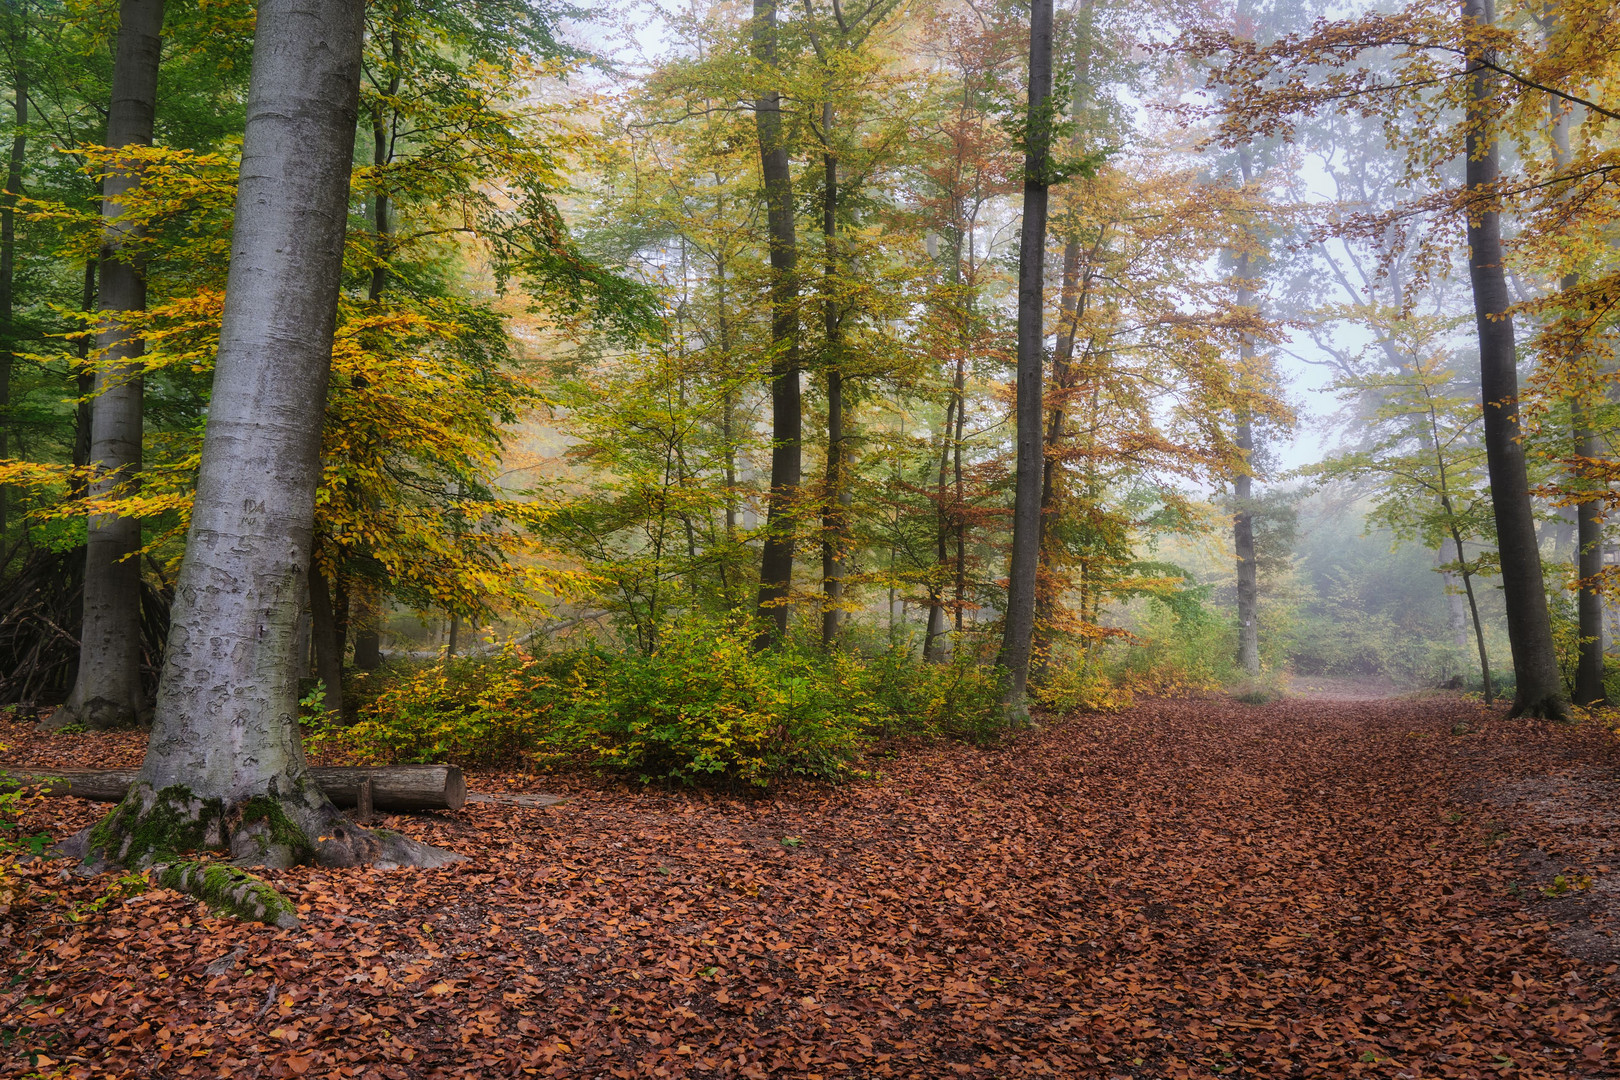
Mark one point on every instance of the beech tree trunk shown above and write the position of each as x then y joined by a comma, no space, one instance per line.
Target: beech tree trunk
1069,312
224,766
85,382
107,691
324,638
367,603
835,499
1589,688
1248,579
1539,690
776,562
1026,545
16,31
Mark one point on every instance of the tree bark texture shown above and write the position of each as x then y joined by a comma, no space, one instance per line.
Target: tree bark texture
1539,690
404,788
107,691
1070,308
324,637
836,497
8,243
776,562
225,756
1026,545
1248,578
1589,688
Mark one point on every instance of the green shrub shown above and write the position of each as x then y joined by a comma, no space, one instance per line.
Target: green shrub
959,698
703,708
706,706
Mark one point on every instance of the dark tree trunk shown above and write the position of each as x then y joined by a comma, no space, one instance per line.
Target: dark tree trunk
324,637
84,383
835,499
16,31
225,766
776,563
1026,544
1589,688
934,637
1539,690
107,692
1069,311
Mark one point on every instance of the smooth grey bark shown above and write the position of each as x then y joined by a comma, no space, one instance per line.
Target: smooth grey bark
1026,543
8,243
787,473
225,754
1539,689
107,691
1248,581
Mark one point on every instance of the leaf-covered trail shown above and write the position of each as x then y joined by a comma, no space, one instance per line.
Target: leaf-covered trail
1310,888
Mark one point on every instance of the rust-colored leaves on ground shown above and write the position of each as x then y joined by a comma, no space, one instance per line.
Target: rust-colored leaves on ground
1192,888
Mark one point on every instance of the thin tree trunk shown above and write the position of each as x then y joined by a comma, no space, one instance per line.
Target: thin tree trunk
1589,688
1473,610
84,384
452,640
933,648
367,638
1068,322
776,562
1026,544
1538,688
834,498
8,245
224,765
1248,583
107,691
323,631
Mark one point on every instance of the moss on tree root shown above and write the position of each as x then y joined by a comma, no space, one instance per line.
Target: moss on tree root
230,890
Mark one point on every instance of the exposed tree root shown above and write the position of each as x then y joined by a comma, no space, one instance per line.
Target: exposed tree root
163,828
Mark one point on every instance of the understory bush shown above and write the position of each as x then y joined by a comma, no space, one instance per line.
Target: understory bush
704,706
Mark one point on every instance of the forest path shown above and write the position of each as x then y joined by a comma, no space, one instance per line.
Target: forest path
1308,888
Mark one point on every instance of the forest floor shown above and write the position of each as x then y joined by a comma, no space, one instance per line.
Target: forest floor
1316,887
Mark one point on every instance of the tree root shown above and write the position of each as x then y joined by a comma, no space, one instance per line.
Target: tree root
160,829
230,890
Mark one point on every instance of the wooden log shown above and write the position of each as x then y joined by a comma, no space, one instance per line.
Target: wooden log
393,787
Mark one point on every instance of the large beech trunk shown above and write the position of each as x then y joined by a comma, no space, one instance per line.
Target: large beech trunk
107,691
1539,690
776,562
1026,545
393,787
224,766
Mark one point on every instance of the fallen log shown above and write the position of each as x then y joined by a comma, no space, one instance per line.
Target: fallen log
393,787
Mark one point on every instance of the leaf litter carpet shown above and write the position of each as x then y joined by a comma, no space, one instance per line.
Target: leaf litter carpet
1320,888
